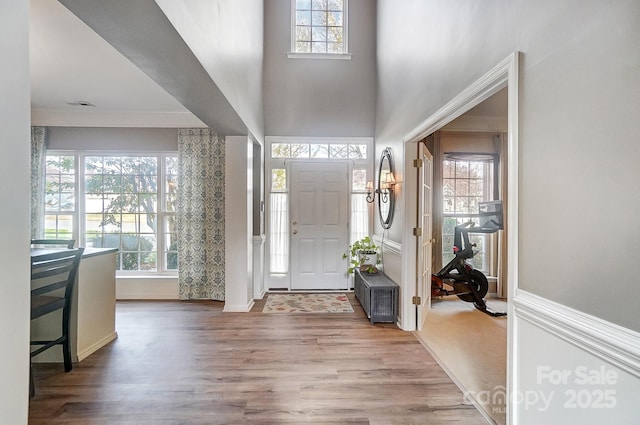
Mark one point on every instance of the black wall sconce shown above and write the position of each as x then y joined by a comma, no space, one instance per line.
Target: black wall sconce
386,183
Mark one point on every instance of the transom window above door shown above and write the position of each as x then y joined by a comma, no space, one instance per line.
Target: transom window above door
319,150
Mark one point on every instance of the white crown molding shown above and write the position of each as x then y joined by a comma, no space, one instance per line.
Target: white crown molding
89,118
610,342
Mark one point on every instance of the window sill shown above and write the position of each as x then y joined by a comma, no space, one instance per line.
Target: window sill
120,275
339,56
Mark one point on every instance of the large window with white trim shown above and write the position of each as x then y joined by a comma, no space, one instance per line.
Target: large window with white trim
124,201
319,26
467,180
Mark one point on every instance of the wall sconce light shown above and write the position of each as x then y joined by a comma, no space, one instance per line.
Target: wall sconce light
384,191
389,181
370,192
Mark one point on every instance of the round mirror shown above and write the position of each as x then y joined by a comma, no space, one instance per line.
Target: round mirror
386,198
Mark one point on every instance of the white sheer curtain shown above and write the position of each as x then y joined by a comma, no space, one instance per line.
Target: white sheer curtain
200,214
38,168
359,217
501,144
279,234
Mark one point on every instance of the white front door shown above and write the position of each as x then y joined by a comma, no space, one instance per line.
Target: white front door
319,224
425,242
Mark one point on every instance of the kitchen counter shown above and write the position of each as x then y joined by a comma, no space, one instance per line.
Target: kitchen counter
93,307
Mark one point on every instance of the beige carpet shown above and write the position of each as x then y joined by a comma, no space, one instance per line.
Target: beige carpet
472,347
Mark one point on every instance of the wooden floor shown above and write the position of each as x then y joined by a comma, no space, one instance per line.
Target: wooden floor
190,363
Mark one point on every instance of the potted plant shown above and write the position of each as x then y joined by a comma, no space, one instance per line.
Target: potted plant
363,254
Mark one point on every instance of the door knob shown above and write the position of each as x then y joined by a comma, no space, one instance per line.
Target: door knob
295,223
295,232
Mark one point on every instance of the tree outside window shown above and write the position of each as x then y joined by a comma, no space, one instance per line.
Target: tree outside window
465,183
320,26
121,204
129,203
60,196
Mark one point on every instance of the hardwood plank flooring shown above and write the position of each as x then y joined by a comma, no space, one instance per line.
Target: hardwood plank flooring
179,363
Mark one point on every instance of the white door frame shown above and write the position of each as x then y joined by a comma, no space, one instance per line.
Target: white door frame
505,74
282,280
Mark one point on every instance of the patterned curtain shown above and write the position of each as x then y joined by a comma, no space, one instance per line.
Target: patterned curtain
200,214
38,167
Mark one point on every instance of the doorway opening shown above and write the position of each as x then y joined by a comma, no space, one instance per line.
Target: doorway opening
466,172
502,81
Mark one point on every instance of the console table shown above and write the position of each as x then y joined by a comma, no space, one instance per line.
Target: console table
378,296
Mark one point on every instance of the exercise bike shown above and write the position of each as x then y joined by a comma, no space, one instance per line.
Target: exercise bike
469,284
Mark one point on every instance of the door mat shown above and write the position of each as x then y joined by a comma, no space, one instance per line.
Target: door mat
307,303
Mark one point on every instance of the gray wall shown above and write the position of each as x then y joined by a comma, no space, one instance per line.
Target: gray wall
578,128
218,78
319,97
14,216
118,139
227,38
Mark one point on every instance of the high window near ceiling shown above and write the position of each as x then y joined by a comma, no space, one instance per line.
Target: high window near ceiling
319,27
115,201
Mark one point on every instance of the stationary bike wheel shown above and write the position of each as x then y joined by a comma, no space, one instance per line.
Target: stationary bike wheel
481,285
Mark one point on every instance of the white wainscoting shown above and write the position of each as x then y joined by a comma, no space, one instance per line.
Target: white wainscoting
259,289
571,367
392,267
147,288
391,257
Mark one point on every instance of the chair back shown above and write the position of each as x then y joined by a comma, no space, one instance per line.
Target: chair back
43,243
52,279
53,275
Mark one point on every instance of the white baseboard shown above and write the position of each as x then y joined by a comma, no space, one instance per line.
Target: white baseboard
96,346
238,308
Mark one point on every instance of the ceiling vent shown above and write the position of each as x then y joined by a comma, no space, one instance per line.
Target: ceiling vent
81,103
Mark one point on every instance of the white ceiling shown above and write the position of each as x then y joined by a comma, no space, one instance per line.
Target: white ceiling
70,63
